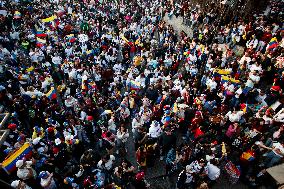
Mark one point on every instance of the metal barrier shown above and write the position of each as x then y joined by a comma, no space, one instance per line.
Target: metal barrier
4,132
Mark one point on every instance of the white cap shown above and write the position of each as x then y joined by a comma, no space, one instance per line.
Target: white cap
40,150
57,141
188,168
36,141
15,183
69,137
19,163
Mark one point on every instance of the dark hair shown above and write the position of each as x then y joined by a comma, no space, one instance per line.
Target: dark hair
108,134
214,161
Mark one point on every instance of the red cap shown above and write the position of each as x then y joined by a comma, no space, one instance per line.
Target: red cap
90,118
55,150
275,88
140,176
243,106
12,126
198,113
215,142
50,129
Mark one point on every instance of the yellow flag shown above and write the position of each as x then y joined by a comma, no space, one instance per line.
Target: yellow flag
49,19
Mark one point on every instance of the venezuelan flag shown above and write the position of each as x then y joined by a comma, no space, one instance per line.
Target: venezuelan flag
232,80
71,38
40,33
249,156
223,71
186,53
124,39
89,52
218,73
40,42
17,15
137,42
175,108
51,94
9,164
134,85
273,43
49,19
30,69
244,107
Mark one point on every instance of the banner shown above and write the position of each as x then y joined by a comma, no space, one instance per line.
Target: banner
9,164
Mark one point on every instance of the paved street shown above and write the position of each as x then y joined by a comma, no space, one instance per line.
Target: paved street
155,174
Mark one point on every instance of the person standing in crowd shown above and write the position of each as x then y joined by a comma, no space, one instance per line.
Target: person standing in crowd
122,136
80,79
167,141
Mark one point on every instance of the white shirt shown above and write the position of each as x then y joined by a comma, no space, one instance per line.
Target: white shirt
108,165
245,58
211,84
229,87
154,131
189,178
261,99
111,125
280,147
254,67
195,167
141,80
23,173
43,182
125,113
69,51
117,68
238,92
254,78
56,60
212,171
235,117
249,83
136,124
123,136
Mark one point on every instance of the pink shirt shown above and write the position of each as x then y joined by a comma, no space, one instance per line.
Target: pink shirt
231,131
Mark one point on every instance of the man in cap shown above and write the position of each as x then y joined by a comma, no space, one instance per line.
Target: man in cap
19,184
167,140
154,130
212,171
25,171
185,178
140,182
46,180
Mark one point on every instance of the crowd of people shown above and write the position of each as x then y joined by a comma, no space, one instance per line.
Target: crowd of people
82,80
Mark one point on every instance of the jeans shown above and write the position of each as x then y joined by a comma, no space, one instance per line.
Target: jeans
260,46
271,159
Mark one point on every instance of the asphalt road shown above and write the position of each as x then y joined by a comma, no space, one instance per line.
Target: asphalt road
154,175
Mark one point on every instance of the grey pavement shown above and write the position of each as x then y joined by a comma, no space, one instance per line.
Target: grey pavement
154,175
178,25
